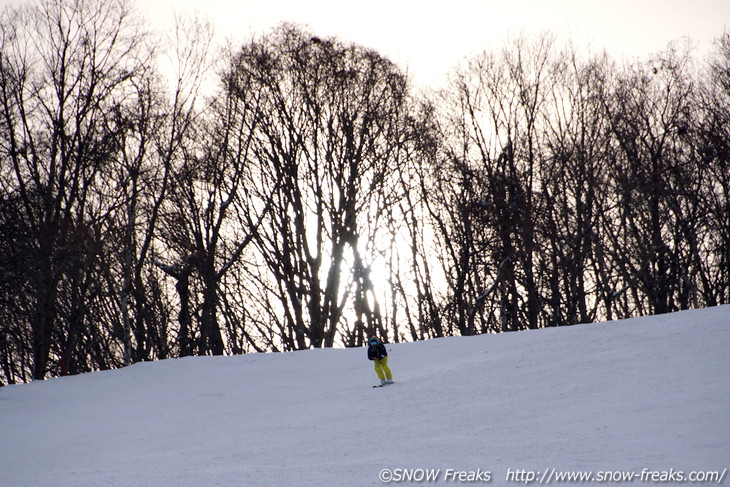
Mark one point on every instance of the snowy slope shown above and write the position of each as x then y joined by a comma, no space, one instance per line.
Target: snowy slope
650,393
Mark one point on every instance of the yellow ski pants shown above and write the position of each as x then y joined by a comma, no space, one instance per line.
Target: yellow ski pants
381,368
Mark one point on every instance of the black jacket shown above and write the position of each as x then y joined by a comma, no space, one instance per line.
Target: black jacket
377,352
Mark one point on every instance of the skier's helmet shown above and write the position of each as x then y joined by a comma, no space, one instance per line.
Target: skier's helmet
374,341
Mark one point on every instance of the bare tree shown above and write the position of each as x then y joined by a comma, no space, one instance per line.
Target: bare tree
66,66
489,179
649,112
157,134
713,154
329,133
574,183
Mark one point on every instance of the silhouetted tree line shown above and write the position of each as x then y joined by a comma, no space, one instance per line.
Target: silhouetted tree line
314,199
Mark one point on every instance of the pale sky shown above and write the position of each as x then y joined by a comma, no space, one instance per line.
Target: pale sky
428,38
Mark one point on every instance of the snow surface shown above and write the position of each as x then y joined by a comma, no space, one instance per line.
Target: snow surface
651,393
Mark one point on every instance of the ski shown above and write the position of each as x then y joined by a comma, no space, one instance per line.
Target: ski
383,385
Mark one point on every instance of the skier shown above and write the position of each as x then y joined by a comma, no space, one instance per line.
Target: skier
378,353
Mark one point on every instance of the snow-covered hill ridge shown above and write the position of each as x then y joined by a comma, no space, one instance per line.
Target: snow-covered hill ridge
648,393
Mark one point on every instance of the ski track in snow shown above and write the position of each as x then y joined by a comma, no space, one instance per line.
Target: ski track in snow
650,392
